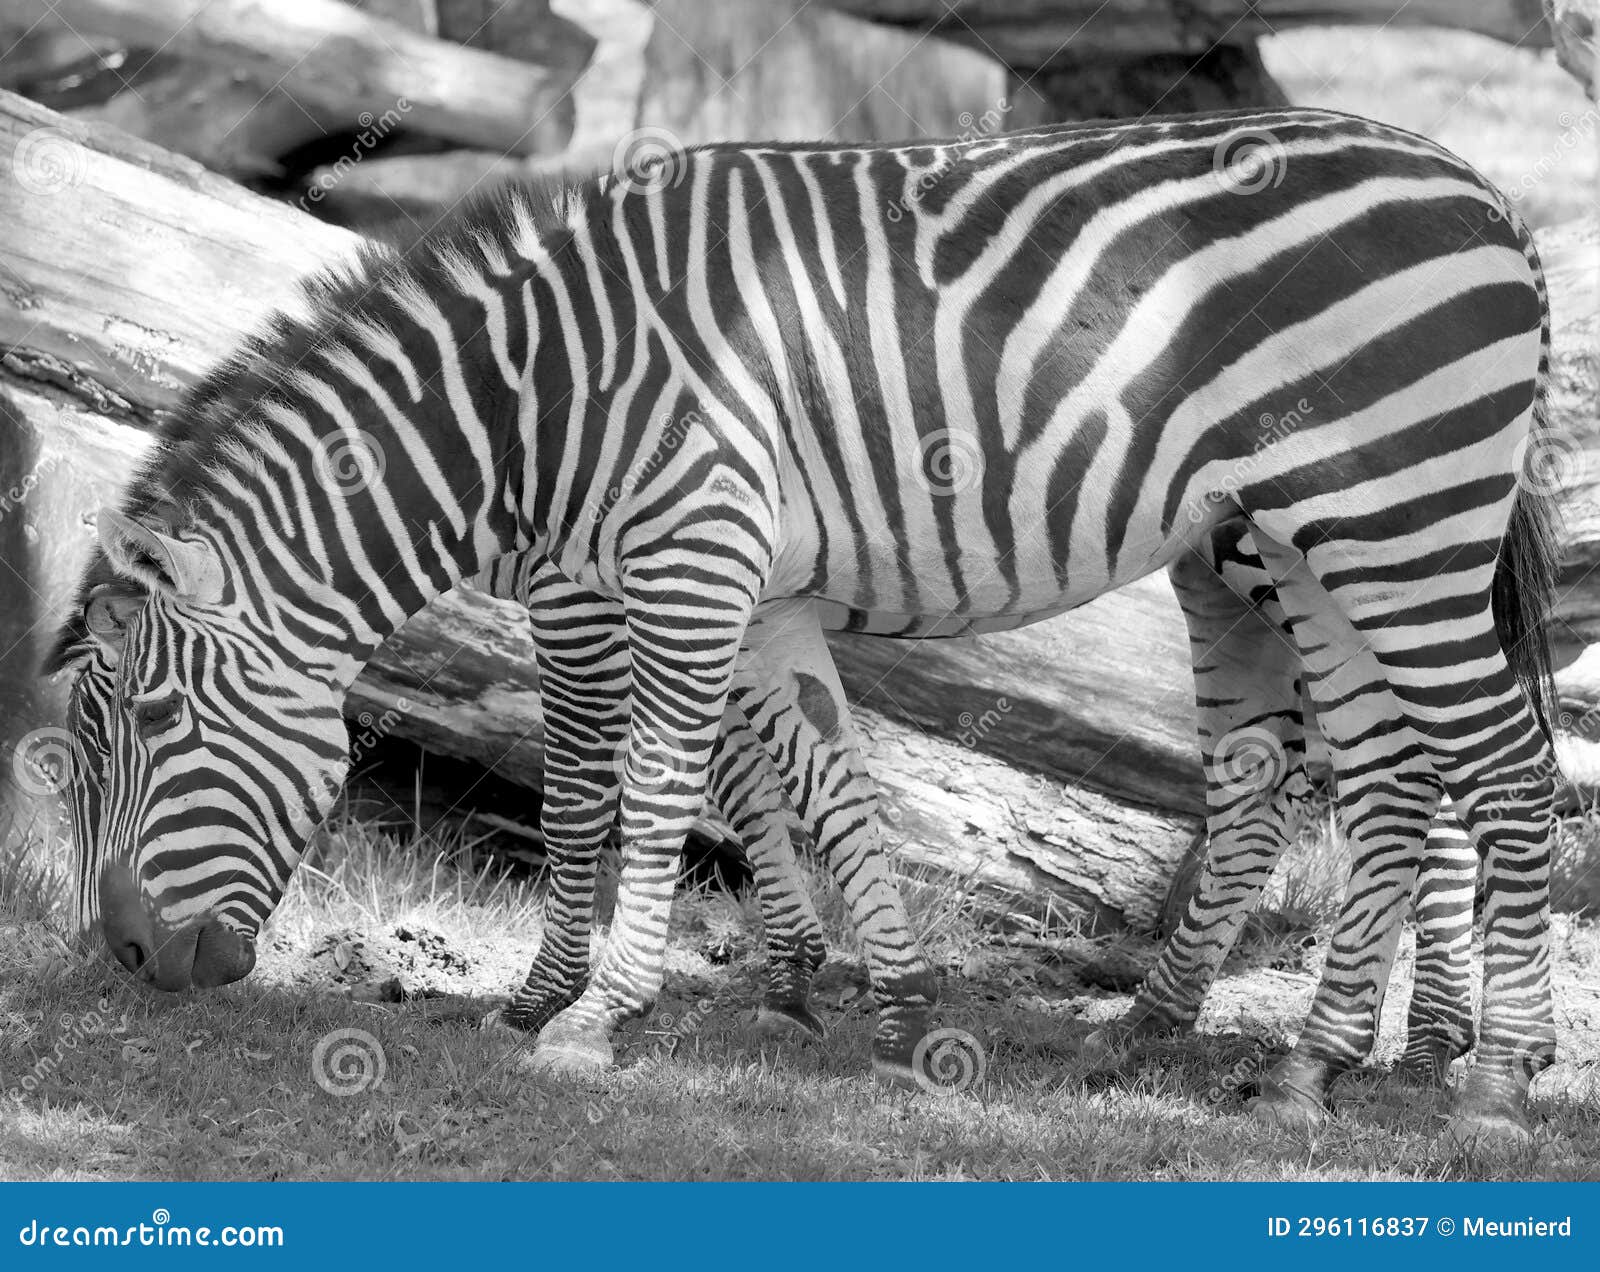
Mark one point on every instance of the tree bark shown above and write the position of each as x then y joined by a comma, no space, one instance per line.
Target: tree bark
1028,34
341,60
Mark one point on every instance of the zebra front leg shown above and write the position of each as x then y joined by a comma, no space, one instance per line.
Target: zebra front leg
1252,744
581,644
680,689
1439,1027
747,789
789,689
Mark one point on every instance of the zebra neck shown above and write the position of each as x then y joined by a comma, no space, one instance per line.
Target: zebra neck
338,547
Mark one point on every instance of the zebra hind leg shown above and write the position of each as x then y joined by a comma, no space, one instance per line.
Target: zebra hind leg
789,690
1252,741
1475,724
747,789
1387,794
1439,1027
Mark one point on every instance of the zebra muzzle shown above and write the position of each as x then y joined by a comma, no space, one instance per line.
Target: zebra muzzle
201,954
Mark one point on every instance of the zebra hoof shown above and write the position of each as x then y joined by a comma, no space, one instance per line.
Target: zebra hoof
1105,1045
896,1075
498,1024
1108,1042
789,1023
1426,1063
1500,1132
570,1058
1287,1111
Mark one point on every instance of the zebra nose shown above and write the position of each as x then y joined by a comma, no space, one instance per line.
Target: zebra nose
202,954
221,955
123,921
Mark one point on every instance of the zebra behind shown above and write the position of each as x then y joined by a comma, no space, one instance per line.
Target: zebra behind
698,400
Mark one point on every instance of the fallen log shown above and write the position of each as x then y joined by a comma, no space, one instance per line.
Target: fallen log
341,60
1028,34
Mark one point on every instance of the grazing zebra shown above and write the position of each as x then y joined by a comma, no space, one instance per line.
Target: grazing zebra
707,398
744,788
743,784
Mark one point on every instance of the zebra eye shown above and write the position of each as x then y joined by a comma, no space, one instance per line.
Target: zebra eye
158,715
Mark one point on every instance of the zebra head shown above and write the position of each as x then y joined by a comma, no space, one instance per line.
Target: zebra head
211,750
94,680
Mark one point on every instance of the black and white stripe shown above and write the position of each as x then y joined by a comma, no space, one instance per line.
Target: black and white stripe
707,400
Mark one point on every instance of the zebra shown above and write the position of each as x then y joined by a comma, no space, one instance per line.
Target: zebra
744,787
743,784
1100,314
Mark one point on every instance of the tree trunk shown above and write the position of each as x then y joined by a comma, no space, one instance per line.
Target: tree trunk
358,66
1028,34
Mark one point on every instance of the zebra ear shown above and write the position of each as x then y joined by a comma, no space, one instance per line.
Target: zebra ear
187,570
109,612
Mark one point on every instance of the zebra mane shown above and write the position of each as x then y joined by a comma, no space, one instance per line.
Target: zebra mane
213,428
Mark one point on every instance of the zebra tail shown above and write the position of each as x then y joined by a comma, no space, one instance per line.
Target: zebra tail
1523,593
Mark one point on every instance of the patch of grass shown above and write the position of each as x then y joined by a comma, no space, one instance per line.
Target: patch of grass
1575,867
35,873
110,1080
